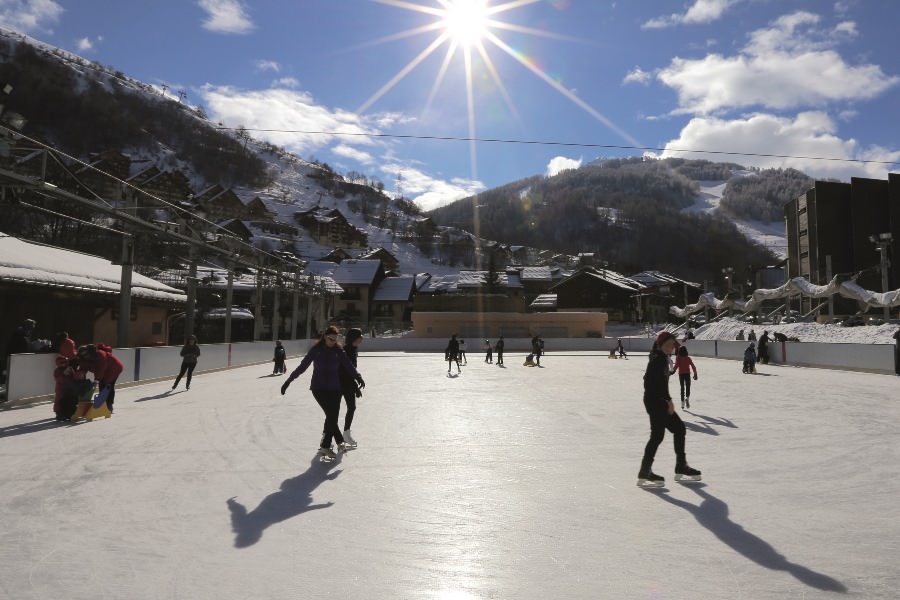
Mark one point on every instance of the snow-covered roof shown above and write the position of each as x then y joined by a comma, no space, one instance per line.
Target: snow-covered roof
394,289
657,278
544,301
30,263
536,274
348,272
607,275
445,283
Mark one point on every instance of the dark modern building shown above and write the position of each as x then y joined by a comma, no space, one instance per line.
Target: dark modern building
837,228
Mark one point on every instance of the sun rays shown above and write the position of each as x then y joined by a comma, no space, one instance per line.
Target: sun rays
470,29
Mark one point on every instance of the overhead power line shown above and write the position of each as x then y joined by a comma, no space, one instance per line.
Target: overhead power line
557,143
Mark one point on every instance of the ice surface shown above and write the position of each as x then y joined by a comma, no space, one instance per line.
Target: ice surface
500,483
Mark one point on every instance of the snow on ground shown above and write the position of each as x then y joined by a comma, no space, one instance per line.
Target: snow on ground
727,329
498,483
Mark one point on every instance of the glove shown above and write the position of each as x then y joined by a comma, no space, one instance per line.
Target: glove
358,393
695,378
284,386
360,382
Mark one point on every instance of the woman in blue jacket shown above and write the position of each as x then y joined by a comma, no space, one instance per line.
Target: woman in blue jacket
327,358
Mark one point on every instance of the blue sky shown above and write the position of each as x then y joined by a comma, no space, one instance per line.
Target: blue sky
576,79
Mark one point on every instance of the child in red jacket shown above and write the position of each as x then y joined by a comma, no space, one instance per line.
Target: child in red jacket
684,365
99,360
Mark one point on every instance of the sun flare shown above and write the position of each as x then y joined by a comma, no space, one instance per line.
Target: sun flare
465,22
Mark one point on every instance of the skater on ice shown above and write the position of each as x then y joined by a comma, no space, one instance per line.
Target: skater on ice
279,358
661,410
750,359
351,389
189,354
452,352
488,352
327,357
461,354
99,360
683,366
762,349
499,348
620,348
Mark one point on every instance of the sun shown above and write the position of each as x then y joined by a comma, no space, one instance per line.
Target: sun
466,22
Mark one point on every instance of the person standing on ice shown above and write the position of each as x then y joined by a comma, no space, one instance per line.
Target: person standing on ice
661,410
327,358
762,348
499,348
451,353
351,389
189,355
684,365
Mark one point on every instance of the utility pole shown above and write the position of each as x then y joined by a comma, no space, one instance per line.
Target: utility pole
125,292
883,241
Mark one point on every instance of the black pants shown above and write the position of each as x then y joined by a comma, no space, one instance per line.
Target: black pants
279,367
350,399
499,357
660,420
185,368
685,380
330,401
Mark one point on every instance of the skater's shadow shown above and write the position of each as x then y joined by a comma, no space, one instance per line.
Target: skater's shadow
164,394
292,499
701,428
31,427
453,375
270,375
712,513
713,420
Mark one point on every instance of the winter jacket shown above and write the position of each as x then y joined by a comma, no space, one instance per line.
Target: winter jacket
280,353
189,354
67,348
105,367
452,351
656,381
348,381
684,364
327,363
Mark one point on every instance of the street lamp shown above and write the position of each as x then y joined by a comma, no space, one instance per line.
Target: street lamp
727,272
883,241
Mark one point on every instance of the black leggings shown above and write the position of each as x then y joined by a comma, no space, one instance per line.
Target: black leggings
660,420
185,368
685,380
330,401
350,399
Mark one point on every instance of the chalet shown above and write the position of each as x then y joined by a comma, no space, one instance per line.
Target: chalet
392,303
359,279
603,290
37,280
171,187
257,209
660,292
220,203
337,255
104,174
329,227
388,260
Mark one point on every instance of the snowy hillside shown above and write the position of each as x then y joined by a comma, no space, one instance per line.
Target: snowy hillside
769,235
727,329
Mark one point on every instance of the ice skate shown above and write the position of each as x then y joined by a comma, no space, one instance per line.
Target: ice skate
686,473
348,439
687,402
650,480
327,454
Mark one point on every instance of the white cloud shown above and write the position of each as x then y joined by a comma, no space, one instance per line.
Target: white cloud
702,11
428,192
561,163
267,65
352,153
286,82
84,44
30,15
787,65
226,16
295,121
637,75
810,134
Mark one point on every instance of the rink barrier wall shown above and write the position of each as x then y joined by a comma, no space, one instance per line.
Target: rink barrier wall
31,375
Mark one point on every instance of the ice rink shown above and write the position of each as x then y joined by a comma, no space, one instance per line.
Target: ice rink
503,483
